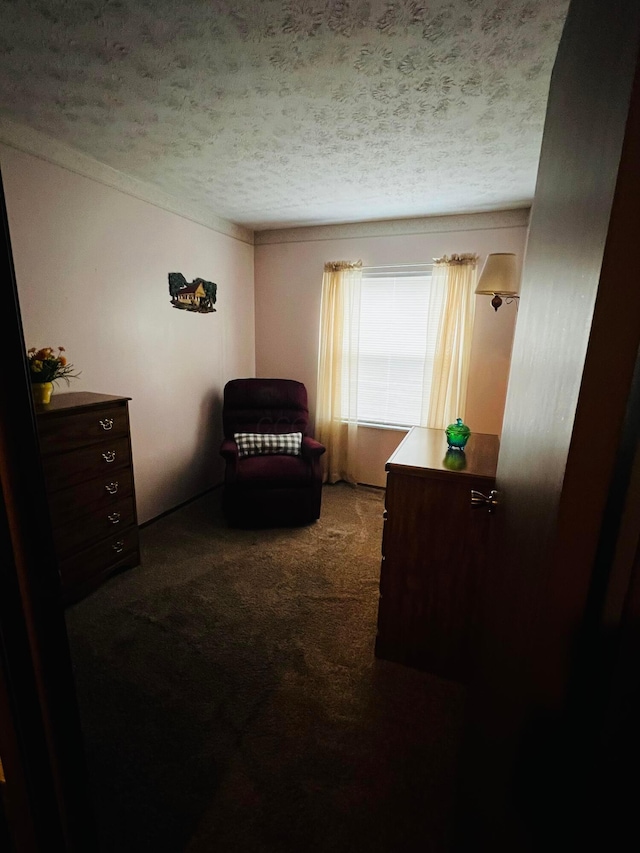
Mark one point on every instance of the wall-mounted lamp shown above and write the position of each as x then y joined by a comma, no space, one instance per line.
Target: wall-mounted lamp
499,278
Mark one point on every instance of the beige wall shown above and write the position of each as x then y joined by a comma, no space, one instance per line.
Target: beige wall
91,265
288,276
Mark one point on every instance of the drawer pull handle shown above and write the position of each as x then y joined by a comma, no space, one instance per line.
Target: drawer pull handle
489,501
109,456
114,517
118,546
112,488
106,424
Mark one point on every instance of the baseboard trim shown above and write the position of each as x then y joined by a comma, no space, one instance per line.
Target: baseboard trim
212,489
179,506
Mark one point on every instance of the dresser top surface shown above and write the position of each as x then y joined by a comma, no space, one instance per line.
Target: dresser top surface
77,400
423,452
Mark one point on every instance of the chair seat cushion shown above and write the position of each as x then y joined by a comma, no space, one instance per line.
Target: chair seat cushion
273,471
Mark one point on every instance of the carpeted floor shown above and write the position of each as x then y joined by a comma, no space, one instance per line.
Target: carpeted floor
231,700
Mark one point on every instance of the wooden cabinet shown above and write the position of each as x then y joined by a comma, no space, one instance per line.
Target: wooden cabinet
434,548
86,456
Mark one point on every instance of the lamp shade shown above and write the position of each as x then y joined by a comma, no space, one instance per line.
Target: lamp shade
499,275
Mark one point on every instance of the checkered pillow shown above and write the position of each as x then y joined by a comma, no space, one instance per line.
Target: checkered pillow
261,444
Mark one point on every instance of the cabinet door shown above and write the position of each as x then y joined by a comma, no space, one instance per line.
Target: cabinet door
434,549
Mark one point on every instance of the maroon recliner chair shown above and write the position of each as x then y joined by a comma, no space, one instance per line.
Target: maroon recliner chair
274,478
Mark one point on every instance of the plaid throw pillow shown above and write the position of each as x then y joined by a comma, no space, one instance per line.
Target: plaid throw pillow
261,444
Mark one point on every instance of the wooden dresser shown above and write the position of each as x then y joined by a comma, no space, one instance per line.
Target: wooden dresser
86,454
434,549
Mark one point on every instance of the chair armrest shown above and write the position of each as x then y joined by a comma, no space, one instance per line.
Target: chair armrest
229,450
311,448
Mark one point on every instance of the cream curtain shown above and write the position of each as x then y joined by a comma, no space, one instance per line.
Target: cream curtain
336,408
446,383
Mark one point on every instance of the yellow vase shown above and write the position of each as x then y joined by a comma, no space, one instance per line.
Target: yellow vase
42,391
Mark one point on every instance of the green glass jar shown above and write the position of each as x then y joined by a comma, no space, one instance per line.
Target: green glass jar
457,435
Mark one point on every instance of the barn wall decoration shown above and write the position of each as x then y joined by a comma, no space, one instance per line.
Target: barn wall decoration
199,296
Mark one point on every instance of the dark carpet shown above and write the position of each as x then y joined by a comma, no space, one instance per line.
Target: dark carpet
231,700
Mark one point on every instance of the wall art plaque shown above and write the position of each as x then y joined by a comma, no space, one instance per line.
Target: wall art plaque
199,296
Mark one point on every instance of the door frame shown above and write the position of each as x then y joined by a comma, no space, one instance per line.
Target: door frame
46,797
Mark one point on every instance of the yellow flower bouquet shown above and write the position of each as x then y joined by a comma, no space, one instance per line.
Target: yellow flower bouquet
45,367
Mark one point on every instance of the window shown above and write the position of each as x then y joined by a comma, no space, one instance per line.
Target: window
394,350
400,311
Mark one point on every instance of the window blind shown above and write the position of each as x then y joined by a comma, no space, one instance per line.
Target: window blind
399,319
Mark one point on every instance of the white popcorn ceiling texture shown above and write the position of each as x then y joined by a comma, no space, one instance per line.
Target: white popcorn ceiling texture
296,112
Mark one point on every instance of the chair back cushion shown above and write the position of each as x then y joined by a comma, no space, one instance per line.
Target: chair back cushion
264,406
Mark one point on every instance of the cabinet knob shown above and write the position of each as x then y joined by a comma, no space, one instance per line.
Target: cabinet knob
112,488
118,546
109,456
106,424
114,517
489,501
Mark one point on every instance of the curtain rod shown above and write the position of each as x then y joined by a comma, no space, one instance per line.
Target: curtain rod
396,266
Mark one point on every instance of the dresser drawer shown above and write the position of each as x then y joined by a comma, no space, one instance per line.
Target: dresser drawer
121,548
94,526
102,493
58,434
97,460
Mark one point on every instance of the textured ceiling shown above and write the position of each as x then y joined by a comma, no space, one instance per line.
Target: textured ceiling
293,112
